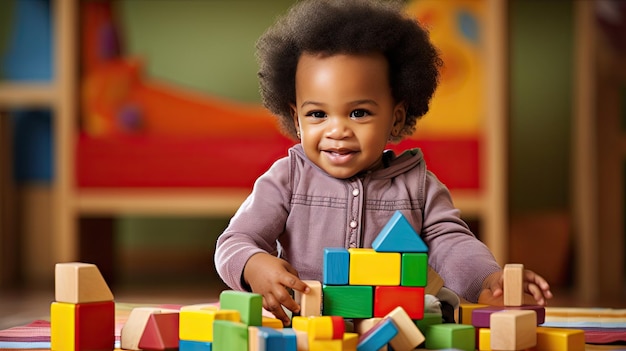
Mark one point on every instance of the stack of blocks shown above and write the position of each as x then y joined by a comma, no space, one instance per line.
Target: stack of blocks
516,326
83,314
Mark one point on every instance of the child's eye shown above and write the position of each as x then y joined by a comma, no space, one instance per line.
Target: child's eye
359,113
316,114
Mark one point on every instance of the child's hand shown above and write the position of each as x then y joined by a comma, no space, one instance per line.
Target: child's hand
271,277
536,289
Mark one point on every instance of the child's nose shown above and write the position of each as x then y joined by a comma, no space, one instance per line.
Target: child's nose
338,128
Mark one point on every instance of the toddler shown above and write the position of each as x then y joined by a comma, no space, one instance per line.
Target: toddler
345,78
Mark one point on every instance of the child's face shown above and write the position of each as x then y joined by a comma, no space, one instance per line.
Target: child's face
345,111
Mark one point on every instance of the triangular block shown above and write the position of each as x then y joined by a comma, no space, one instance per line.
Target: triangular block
161,332
135,325
398,236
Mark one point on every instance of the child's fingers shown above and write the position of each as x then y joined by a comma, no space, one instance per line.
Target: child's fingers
272,305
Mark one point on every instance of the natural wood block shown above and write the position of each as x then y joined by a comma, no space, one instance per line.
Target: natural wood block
348,301
78,282
310,303
411,299
513,284
435,282
409,336
249,305
513,330
86,326
368,267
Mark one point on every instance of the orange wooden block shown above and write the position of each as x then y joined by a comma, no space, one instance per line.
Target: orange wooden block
387,298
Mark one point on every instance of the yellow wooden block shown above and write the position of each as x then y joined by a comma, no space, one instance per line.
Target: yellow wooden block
465,312
560,339
350,341
368,267
326,345
271,322
513,284
301,323
513,329
484,339
77,282
197,324
62,326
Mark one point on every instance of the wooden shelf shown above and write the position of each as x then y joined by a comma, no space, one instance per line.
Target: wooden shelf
211,202
27,95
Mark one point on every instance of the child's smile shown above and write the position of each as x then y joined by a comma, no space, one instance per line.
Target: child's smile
345,111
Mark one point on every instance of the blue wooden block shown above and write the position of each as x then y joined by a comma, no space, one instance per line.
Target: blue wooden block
290,341
398,236
336,266
189,345
377,337
270,339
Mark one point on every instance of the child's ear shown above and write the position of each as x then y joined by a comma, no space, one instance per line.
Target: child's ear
399,117
296,121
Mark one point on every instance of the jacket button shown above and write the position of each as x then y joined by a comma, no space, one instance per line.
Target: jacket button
355,192
353,224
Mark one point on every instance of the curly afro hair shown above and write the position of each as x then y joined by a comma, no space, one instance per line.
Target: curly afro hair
330,27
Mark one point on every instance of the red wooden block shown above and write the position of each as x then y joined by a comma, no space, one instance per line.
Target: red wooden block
339,327
387,298
161,332
95,326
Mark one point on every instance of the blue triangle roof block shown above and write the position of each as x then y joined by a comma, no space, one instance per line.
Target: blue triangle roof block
398,236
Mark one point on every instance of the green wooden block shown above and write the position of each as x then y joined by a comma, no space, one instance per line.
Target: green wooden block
428,320
231,336
249,305
348,301
450,335
414,271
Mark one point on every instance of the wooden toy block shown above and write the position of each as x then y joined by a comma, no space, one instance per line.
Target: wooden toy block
398,236
249,305
513,330
361,326
326,345
409,336
414,269
513,284
348,301
466,310
484,339
161,331
85,326
230,336
411,299
368,267
196,324
450,335
481,317
290,341
336,266
271,322
302,339
351,340
77,282
378,336
135,325
435,282
428,320
560,339
264,339
310,303
190,345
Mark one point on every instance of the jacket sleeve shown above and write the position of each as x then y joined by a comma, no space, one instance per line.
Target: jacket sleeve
255,226
454,252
